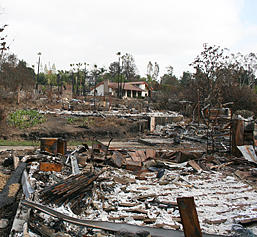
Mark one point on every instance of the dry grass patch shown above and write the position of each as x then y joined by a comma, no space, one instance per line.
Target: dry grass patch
13,189
3,180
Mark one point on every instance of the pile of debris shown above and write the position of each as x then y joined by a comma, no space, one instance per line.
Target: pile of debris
105,191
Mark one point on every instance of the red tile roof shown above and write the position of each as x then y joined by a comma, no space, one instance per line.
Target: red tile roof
128,85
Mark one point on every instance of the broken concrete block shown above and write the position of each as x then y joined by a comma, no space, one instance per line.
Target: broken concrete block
141,154
134,156
4,223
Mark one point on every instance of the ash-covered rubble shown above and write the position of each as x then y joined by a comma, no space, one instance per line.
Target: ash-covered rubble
178,136
182,130
92,191
199,134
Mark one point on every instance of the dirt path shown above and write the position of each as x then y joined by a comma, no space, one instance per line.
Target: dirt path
16,148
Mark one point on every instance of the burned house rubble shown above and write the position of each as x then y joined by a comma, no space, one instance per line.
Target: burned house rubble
179,179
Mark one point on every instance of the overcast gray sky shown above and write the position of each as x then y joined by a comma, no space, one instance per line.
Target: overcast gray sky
170,32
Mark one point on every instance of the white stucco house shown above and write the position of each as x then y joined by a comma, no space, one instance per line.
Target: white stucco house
138,89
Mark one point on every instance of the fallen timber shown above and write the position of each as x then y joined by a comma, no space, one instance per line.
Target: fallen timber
68,189
8,194
104,225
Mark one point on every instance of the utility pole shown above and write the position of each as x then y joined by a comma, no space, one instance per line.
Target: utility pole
119,86
39,54
73,80
198,102
85,79
95,77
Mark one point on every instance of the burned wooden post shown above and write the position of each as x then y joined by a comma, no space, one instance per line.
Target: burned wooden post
237,136
152,124
189,217
242,134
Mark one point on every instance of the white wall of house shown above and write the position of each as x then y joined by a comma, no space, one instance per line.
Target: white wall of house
111,91
144,88
144,93
141,86
130,94
99,89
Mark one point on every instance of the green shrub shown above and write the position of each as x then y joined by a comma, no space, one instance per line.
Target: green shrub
70,120
25,118
88,122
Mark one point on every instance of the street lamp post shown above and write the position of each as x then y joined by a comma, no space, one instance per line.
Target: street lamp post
39,54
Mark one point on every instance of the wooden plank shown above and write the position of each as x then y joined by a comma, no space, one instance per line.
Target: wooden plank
152,124
74,164
46,166
96,145
16,161
189,217
141,154
237,136
150,153
195,166
133,165
117,159
135,157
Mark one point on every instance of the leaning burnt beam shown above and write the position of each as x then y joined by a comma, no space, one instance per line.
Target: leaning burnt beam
195,139
10,190
104,225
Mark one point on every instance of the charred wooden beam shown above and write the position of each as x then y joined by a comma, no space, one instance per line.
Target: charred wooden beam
115,227
8,194
189,217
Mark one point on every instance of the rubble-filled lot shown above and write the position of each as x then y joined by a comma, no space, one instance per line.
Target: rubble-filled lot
138,187
132,187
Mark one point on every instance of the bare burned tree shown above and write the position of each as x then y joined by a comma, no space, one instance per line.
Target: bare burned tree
3,46
209,68
245,66
129,68
123,70
149,72
152,71
15,76
156,71
218,73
